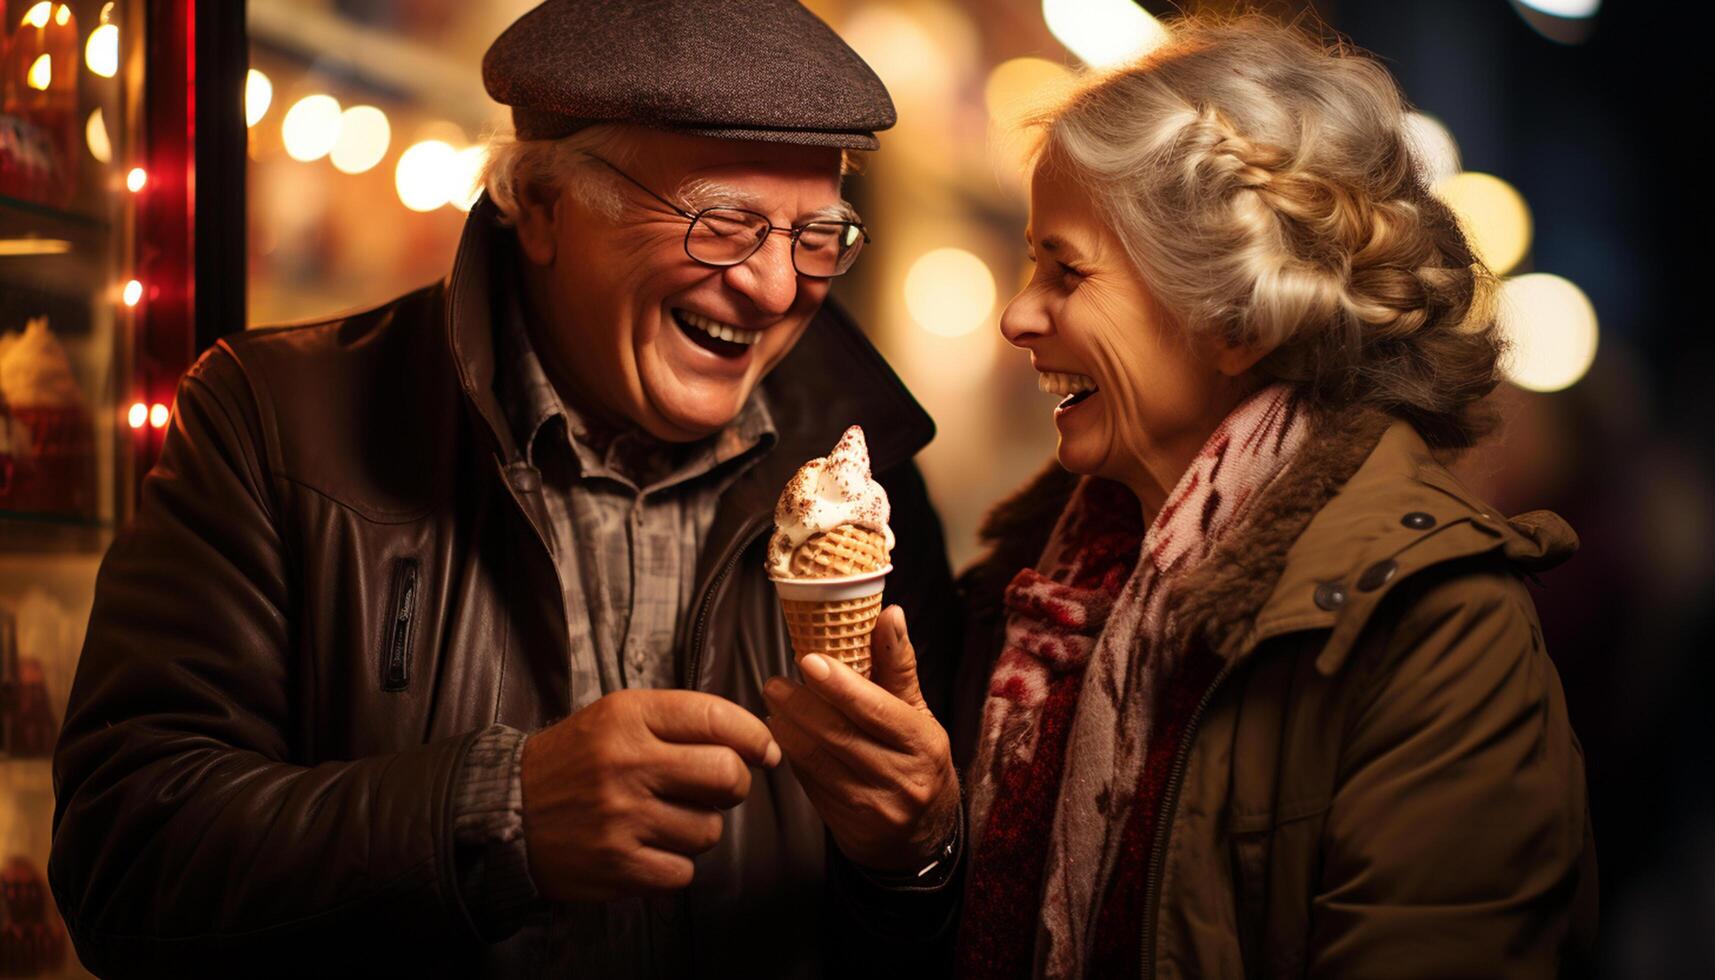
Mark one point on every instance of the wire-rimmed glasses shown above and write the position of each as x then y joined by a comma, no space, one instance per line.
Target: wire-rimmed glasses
726,236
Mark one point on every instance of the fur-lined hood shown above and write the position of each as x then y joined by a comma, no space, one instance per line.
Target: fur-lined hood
1363,508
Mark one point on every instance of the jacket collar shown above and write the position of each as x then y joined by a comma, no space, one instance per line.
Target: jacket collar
1364,507
833,378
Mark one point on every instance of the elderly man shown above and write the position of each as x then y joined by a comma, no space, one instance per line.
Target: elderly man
437,645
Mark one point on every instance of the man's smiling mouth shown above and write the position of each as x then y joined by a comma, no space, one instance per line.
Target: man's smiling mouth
720,338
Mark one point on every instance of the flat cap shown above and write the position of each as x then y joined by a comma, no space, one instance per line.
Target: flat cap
737,69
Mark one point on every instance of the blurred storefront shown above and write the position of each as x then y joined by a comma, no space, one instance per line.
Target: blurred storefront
102,130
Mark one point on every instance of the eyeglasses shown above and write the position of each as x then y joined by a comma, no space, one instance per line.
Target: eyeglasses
727,236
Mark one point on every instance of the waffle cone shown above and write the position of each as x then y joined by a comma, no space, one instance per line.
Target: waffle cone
838,628
848,549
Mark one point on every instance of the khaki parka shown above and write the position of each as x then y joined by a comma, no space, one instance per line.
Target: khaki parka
1383,781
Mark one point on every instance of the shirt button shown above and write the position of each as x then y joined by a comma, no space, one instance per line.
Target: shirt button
1417,520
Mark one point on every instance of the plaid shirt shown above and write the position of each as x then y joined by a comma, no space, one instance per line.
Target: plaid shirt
628,517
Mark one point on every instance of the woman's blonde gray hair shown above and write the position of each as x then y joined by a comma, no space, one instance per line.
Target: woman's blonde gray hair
1265,188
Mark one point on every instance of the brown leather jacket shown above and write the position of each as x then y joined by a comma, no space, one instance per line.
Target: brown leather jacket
1383,782
337,576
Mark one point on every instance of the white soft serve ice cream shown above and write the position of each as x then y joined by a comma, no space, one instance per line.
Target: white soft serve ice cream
825,493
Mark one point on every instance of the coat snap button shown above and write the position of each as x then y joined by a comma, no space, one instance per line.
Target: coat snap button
1377,575
1330,595
1417,520
525,479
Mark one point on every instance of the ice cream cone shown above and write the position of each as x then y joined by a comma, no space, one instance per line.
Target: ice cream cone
849,549
833,616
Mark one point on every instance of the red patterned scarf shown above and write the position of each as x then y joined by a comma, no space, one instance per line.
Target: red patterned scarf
1087,694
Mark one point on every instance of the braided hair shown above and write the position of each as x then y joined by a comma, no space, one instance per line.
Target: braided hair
1266,190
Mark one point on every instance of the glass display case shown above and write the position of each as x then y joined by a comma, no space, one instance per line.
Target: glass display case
98,152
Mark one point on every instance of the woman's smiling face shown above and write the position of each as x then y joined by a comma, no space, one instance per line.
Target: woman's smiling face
1136,388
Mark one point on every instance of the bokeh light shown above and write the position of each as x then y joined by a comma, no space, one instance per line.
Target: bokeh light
62,15
41,73
1493,214
133,293
158,416
95,135
464,176
1016,91
311,127
950,292
1571,9
37,16
363,138
258,95
136,179
1020,88
101,51
912,63
421,176
138,416
1551,327
1436,151
1103,33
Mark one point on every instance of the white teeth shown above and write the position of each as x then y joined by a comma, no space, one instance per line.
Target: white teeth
720,331
1061,383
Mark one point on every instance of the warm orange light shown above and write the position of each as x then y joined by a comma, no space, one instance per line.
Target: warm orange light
39,14
136,179
158,415
41,73
133,293
138,415
62,13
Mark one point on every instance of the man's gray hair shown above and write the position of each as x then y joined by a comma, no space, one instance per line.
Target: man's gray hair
518,168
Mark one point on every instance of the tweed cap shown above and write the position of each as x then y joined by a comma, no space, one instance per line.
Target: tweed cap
737,69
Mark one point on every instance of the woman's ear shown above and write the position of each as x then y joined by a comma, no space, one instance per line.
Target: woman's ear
537,226
1233,359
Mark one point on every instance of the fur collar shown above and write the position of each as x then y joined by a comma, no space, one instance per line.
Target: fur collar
1363,508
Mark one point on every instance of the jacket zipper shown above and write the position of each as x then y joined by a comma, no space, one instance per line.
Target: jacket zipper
1164,825
693,678
396,663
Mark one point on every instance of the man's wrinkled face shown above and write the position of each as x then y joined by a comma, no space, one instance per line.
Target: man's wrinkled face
637,329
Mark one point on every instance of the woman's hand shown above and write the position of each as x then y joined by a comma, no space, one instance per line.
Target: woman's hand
870,755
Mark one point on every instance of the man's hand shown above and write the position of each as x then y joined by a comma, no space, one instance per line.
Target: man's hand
620,795
872,758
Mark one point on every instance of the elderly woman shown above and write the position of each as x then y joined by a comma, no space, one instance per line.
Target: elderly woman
1268,696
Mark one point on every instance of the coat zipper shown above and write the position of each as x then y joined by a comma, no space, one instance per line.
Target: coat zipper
1164,825
693,678
395,673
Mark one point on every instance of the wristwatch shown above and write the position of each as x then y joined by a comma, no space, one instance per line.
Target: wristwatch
936,871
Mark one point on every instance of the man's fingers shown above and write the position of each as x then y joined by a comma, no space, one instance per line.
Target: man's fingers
703,775
878,713
680,829
652,869
836,735
695,717
893,660
813,760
